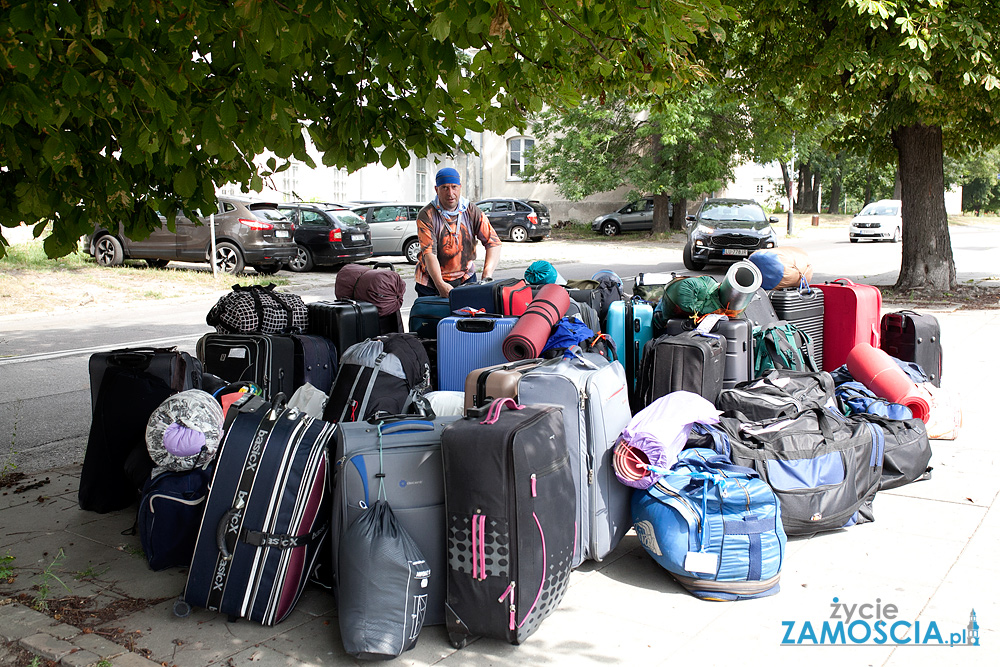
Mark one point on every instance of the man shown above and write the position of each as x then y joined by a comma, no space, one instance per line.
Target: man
448,228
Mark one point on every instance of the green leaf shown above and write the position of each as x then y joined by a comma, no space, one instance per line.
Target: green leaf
227,112
185,181
440,27
388,158
24,61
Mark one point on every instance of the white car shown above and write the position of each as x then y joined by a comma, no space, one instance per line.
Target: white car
879,221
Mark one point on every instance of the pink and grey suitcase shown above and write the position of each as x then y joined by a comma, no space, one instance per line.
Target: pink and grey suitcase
467,343
852,314
510,505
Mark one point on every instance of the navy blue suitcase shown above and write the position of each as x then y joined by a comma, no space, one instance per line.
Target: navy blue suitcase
425,313
468,343
266,515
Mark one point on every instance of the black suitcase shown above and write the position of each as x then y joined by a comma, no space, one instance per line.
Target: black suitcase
266,514
126,386
511,511
914,337
315,362
343,321
178,369
690,361
739,346
266,360
803,307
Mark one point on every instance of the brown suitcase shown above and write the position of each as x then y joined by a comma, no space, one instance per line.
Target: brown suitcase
485,384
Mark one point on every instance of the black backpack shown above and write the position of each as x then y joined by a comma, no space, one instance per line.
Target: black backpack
381,375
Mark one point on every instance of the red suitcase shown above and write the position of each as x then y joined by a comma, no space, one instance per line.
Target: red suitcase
852,314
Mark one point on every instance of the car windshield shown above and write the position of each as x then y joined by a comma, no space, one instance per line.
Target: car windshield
733,211
880,208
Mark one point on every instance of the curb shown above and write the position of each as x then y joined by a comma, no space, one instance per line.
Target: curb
60,643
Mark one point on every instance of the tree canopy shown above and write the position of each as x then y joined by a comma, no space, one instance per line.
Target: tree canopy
910,77
111,110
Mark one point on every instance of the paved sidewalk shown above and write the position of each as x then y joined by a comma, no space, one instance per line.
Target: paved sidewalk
931,553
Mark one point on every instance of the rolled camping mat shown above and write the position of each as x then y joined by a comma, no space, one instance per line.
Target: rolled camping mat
532,330
739,286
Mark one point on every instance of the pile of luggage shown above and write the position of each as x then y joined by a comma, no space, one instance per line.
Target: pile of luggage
515,431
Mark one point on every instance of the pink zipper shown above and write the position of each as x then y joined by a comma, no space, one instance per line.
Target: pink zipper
510,592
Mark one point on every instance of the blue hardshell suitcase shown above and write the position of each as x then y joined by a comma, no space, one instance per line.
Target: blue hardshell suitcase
630,325
468,343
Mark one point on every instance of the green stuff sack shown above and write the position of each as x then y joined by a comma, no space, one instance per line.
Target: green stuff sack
685,296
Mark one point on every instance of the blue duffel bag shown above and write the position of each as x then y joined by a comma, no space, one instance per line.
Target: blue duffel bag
716,527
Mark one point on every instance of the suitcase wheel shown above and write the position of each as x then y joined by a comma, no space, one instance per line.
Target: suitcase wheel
458,641
181,608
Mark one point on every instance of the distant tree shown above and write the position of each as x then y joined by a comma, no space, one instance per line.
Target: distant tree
111,110
912,77
684,145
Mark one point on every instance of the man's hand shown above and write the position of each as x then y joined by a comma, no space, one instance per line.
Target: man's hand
445,289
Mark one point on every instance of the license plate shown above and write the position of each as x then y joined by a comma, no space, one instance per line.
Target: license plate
281,234
357,237
739,252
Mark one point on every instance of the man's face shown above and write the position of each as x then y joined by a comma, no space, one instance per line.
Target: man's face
448,195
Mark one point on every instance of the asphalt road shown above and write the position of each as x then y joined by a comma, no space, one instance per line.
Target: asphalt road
44,378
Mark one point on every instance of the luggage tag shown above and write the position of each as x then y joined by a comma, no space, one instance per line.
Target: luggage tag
701,562
708,322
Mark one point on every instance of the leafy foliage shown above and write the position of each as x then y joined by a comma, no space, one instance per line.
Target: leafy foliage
111,110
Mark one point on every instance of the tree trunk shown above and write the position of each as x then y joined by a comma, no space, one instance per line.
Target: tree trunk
868,191
680,212
927,258
833,208
661,216
897,186
805,190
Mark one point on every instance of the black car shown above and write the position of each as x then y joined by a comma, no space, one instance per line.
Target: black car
326,235
246,234
727,230
517,219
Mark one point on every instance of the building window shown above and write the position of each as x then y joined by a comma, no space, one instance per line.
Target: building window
338,186
760,189
518,152
290,181
421,189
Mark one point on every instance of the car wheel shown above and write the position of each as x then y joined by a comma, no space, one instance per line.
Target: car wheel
854,240
518,234
895,236
690,262
157,263
108,251
412,251
228,258
611,228
267,269
302,261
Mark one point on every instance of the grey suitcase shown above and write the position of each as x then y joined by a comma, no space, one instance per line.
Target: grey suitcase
594,398
739,346
413,483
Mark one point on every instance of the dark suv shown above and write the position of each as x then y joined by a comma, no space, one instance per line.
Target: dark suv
326,235
517,219
727,230
246,234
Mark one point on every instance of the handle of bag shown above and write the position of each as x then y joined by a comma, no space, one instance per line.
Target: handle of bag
278,403
805,290
136,357
406,425
577,353
716,466
842,281
220,532
384,265
497,406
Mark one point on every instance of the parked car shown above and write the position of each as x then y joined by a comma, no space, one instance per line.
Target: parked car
879,221
326,235
517,219
393,227
727,230
636,216
246,234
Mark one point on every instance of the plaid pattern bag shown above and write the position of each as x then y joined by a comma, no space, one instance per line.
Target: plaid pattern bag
259,309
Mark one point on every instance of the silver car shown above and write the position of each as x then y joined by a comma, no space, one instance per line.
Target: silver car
634,216
879,221
393,227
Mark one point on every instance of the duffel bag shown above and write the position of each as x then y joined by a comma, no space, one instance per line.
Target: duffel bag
856,399
907,450
779,393
259,309
716,527
824,467
170,514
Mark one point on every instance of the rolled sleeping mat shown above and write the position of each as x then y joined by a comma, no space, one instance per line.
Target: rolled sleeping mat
875,369
532,330
648,446
184,432
738,287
